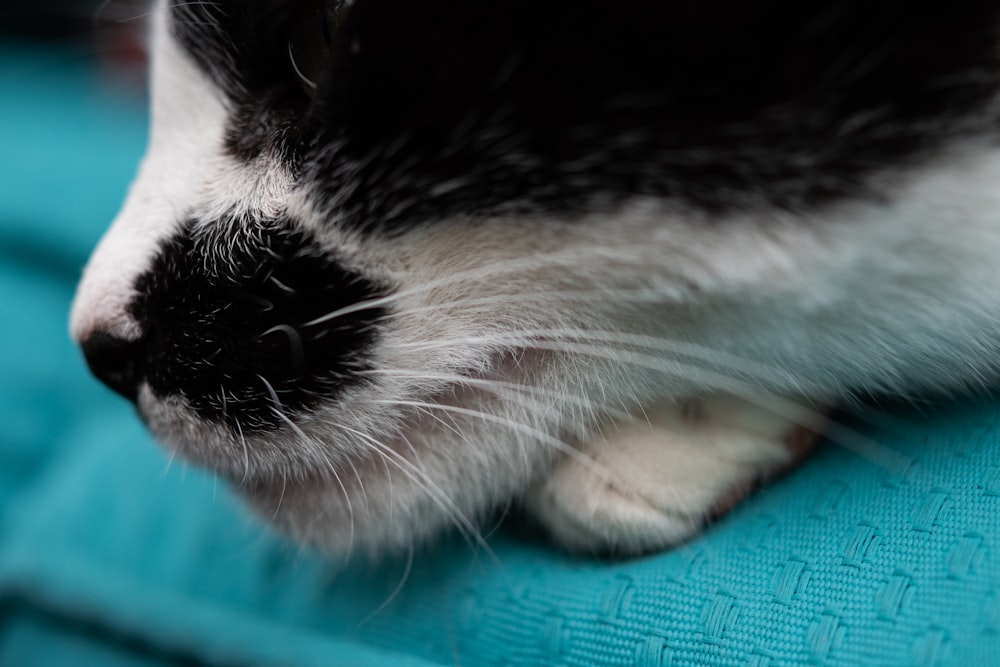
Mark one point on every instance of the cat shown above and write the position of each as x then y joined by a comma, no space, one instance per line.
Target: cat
388,266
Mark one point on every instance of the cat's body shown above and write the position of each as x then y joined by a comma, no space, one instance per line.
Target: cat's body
606,258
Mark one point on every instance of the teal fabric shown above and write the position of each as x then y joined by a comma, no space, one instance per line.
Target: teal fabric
883,552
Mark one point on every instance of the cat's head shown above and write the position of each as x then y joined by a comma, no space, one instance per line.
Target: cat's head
385,260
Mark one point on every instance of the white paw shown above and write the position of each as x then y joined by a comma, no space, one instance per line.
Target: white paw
650,483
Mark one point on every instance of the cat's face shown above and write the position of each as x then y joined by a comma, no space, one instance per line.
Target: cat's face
385,261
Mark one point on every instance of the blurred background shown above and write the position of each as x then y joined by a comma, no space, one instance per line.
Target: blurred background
108,32
72,120
72,129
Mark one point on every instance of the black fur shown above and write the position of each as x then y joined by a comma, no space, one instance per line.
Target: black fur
434,108
208,302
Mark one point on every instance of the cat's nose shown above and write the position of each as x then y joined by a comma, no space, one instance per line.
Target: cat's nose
115,362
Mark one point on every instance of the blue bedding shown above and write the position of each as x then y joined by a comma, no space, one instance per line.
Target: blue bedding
886,552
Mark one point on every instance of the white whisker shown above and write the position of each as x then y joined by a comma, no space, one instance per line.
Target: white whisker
395,591
418,477
563,259
246,451
330,466
708,379
281,496
296,347
295,66
533,337
525,429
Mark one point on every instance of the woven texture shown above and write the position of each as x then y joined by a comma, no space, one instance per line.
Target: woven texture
883,552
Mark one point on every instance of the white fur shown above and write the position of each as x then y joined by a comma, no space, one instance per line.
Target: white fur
648,483
575,328
185,173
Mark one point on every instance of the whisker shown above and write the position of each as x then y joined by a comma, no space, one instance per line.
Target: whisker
530,338
282,286
388,480
296,347
295,66
171,456
224,405
333,470
420,478
95,17
246,451
498,388
281,496
563,259
541,436
180,6
361,484
274,395
395,591
840,434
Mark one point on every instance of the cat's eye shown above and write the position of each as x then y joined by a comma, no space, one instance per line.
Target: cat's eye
312,30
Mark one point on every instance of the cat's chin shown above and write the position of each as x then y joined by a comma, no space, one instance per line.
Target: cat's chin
398,490
348,487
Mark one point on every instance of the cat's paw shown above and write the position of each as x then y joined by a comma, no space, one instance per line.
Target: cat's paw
654,481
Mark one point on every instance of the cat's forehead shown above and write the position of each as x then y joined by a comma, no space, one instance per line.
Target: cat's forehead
438,108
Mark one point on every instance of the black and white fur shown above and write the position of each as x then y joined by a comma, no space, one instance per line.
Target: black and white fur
601,258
